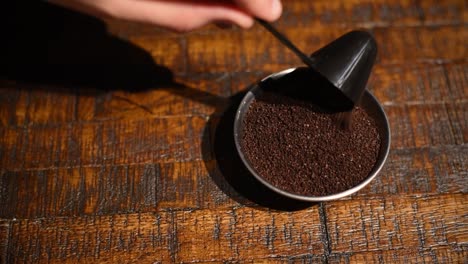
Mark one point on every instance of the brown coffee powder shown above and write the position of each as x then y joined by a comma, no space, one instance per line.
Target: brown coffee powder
299,148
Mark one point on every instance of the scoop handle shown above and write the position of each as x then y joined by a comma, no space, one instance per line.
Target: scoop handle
281,37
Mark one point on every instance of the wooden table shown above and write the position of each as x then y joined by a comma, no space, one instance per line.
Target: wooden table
116,144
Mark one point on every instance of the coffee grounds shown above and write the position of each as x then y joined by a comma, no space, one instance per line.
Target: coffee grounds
300,148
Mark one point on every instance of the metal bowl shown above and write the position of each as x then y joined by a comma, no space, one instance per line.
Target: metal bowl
368,102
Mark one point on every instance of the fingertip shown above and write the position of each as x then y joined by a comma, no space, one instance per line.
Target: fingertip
246,23
276,10
233,16
269,10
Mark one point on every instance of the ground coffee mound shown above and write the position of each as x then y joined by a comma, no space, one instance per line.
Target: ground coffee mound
299,148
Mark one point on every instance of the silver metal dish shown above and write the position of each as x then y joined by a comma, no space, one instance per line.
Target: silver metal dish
368,102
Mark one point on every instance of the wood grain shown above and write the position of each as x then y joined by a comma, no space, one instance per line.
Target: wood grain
252,50
437,255
396,46
419,222
424,125
112,142
180,138
322,13
420,83
107,190
112,154
207,94
4,236
167,236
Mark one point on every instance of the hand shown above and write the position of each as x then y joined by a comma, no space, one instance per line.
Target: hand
180,15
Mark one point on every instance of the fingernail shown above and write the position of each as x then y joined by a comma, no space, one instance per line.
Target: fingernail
276,8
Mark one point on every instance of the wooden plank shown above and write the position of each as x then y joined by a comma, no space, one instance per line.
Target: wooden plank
110,190
10,109
13,105
422,171
433,11
370,13
4,236
428,44
113,142
420,83
457,78
460,128
249,50
182,236
433,255
233,234
196,96
171,51
425,125
47,107
203,94
253,50
167,140
302,258
96,238
107,190
322,13
420,222
207,94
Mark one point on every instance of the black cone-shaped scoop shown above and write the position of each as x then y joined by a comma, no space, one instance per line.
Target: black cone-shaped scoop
335,80
347,63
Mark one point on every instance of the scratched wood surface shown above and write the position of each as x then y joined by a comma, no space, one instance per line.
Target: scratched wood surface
116,145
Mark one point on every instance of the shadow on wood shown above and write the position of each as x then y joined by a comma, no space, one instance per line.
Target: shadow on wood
230,174
63,49
76,55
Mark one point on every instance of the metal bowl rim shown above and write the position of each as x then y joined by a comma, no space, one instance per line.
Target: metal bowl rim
375,171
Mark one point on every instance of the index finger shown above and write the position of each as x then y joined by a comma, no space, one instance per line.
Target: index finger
269,10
